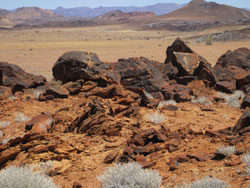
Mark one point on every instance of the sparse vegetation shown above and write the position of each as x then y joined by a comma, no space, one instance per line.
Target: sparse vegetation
228,151
232,99
165,103
42,167
55,82
37,93
1,134
246,160
21,118
129,175
6,140
201,100
148,95
209,40
24,177
4,124
155,117
209,182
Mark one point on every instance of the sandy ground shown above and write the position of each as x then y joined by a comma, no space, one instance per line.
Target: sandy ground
37,50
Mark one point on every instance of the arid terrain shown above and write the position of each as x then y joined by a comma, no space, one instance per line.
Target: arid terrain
37,50
74,101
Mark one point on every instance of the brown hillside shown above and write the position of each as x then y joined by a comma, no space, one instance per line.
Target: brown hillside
3,12
208,11
31,13
121,16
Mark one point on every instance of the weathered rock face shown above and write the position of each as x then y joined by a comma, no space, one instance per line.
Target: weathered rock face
76,65
232,70
95,120
40,123
243,124
239,58
48,92
17,79
138,75
181,60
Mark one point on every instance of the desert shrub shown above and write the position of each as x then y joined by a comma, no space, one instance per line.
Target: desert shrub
232,99
55,82
7,139
37,93
208,182
228,151
42,167
208,40
148,95
130,175
1,135
21,118
201,100
165,103
13,97
4,124
155,117
24,177
246,160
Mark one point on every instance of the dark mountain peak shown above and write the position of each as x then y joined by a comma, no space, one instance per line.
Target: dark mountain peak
197,2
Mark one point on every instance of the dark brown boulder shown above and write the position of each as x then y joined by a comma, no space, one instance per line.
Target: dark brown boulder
138,75
52,91
206,73
74,87
17,79
239,58
181,60
231,78
242,123
76,65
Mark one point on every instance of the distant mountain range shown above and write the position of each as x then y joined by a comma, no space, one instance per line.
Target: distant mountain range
87,12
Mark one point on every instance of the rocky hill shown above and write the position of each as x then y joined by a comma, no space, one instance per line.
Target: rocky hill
94,114
121,16
208,11
3,12
198,15
158,9
32,14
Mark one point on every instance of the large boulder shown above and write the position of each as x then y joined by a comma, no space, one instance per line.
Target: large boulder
233,70
181,60
239,58
139,75
17,79
77,65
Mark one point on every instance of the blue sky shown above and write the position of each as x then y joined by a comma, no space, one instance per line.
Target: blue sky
51,4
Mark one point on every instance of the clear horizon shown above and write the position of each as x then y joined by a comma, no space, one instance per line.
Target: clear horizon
48,4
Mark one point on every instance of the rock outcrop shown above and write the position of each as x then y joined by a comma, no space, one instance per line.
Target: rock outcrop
76,65
17,79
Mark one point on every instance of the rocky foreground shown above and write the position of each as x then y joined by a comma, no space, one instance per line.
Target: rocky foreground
171,117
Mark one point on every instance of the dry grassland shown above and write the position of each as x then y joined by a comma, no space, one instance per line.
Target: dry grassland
37,50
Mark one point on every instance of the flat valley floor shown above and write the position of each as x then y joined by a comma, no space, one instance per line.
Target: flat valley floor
37,50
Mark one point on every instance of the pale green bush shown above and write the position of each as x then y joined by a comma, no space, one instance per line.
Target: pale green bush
130,175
